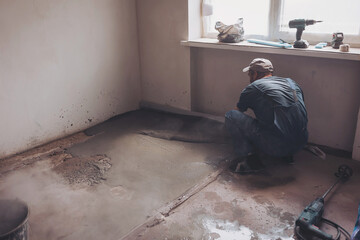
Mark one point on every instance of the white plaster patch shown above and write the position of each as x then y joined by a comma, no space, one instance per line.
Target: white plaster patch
226,230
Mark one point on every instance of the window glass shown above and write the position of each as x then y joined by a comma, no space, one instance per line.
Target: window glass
255,14
269,19
337,16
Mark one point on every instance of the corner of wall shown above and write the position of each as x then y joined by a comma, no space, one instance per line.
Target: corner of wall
139,49
164,63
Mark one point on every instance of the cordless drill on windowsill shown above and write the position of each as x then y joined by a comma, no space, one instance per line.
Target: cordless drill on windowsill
300,24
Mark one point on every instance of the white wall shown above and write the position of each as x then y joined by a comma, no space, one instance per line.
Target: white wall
165,65
64,66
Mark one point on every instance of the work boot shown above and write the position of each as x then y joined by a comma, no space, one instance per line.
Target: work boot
235,162
248,165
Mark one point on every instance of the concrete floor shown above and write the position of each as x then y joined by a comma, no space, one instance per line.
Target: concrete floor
129,177
263,206
103,184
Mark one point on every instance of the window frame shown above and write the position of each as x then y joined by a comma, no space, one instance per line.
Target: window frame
274,33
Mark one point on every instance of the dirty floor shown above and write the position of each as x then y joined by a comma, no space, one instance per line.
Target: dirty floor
263,206
154,175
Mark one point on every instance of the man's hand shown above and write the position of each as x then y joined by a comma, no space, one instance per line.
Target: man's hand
248,112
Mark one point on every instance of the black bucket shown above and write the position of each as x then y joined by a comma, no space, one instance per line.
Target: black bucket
13,220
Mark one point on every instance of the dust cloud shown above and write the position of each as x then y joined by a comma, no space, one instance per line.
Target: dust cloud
140,174
59,211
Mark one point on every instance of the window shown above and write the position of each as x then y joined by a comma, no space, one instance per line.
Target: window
268,19
228,11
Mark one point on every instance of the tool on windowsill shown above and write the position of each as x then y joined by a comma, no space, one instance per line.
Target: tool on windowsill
307,225
337,39
281,44
321,45
344,47
300,24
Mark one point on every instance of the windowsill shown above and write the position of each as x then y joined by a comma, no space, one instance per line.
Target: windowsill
327,52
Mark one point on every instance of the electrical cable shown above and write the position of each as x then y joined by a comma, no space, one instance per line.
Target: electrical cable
340,230
338,227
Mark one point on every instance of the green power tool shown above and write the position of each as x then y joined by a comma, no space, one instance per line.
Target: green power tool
300,24
307,225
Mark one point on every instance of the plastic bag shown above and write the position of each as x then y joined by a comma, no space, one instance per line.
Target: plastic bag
230,33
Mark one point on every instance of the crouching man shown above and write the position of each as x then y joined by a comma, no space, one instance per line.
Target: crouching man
280,126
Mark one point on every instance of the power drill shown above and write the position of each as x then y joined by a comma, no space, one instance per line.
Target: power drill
306,226
300,24
310,219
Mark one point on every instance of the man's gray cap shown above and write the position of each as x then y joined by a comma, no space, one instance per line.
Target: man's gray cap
260,65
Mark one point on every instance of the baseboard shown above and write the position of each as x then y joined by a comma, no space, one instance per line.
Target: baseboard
170,109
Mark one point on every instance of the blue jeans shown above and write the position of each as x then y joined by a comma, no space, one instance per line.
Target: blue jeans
250,137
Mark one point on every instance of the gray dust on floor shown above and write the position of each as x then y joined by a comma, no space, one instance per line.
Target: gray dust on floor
134,164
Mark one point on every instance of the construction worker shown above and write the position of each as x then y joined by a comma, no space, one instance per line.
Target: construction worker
280,127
